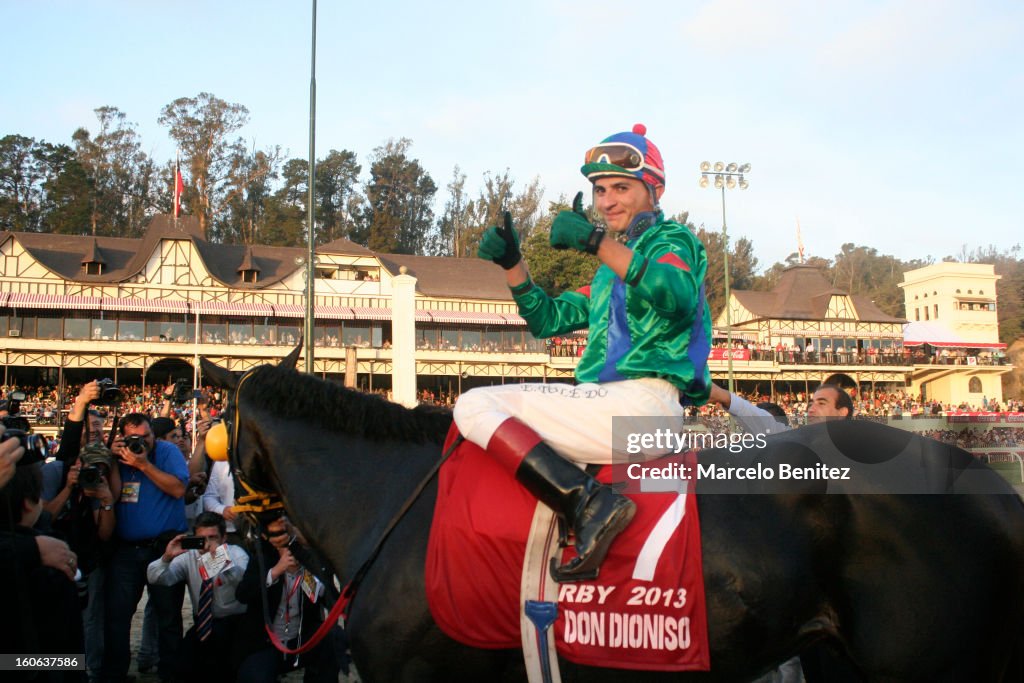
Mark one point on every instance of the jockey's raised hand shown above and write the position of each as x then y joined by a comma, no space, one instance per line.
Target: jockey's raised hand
501,245
573,230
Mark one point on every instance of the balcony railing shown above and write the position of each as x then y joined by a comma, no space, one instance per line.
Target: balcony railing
796,357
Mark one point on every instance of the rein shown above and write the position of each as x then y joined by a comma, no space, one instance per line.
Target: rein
257,502
348,593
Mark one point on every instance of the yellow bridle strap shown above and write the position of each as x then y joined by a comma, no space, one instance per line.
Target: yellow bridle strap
253,501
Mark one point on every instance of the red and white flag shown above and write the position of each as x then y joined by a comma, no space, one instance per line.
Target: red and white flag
179,187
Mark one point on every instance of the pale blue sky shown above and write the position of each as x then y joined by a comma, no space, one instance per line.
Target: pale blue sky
895,124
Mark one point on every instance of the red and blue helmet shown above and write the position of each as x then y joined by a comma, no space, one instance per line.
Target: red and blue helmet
627,154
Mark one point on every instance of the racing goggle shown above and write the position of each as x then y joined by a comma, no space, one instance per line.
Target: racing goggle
619,154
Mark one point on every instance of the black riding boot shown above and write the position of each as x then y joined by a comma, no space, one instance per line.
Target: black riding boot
595,513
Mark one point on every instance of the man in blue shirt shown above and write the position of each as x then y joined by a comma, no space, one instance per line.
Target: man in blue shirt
151,509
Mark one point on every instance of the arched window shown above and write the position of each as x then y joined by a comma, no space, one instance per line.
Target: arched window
974,386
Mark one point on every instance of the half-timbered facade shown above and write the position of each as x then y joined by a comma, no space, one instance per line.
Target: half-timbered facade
77,307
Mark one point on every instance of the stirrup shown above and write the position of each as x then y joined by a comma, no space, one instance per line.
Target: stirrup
587,567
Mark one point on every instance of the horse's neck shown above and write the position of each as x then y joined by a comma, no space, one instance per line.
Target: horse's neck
343,491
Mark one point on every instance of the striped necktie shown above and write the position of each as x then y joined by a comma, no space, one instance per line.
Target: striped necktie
204,615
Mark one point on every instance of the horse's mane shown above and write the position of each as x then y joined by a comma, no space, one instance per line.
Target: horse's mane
296,396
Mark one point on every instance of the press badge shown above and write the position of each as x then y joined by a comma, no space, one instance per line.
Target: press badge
311,586
212,564
130,491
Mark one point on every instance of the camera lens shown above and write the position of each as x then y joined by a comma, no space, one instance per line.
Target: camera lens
34,445
136,444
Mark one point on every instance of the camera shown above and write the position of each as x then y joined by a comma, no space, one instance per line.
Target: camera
34,445
97,460
183,391
194,491
13,406
110,393
16,422
90,476
193,543
136,444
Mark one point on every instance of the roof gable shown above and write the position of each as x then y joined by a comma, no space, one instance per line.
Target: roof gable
803,293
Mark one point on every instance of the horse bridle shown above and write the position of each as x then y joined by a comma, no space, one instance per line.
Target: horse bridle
256,504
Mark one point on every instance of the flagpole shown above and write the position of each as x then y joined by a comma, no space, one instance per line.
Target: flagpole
195,377
799,240
179,186
311,210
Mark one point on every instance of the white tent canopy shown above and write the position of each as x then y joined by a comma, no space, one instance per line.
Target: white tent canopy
937,334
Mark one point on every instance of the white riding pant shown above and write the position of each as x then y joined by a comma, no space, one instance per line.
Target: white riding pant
575,420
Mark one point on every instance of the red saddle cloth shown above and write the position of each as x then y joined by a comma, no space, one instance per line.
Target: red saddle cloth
645,611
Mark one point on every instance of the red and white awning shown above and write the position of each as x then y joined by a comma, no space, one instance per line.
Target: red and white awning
370,313
242,309
514,319
54,301
144,305
333,312
289,310
467,317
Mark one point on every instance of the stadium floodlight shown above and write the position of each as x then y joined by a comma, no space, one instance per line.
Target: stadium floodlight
729,176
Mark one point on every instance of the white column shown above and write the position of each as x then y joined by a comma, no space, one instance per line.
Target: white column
403,339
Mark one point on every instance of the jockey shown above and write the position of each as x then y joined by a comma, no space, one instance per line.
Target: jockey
647,351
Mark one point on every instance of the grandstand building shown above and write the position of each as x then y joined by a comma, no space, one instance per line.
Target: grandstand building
74,308
955,327
805,331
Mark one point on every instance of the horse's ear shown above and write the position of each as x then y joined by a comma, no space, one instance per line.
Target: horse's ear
217,375
289,361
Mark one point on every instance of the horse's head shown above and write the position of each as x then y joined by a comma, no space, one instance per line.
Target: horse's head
230,440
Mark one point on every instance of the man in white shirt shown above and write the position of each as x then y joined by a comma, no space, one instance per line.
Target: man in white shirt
210,649
219,496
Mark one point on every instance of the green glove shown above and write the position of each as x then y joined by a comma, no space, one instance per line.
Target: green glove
572,229
501,245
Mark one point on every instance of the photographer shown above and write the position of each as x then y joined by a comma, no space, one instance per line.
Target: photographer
11,453
82,508
212,568
151,509
295,601
166,429
37,571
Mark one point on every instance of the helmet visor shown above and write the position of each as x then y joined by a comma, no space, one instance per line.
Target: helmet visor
626,157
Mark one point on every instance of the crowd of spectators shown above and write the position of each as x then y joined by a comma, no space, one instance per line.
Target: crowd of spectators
90,530
971,438
42,401
878,403
851,354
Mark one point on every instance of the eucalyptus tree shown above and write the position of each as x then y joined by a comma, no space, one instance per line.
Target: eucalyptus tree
398,216
204,128
120,174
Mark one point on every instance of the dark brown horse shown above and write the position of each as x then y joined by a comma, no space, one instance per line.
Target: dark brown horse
923,587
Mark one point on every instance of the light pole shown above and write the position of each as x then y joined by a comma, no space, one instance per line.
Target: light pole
725,175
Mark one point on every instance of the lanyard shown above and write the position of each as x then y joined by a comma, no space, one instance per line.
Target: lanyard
288,599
